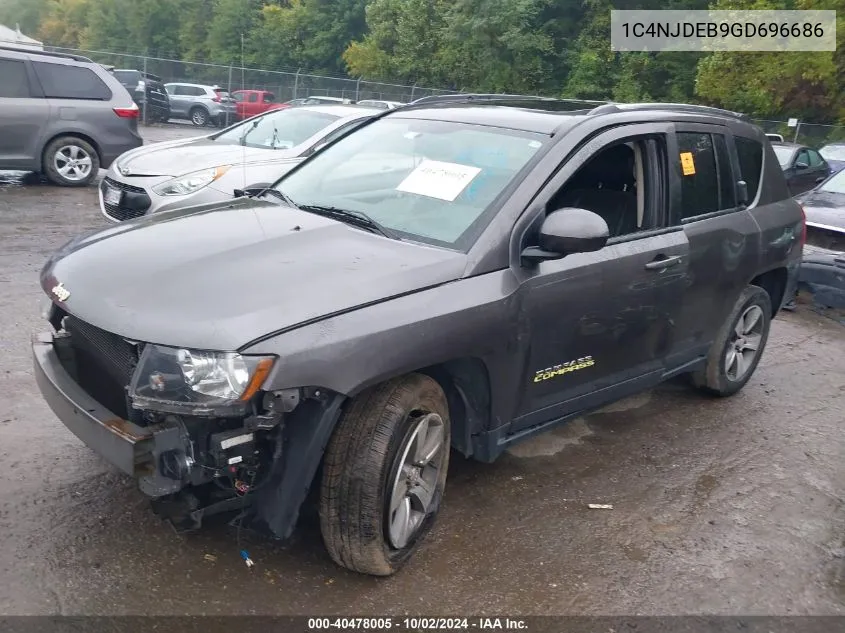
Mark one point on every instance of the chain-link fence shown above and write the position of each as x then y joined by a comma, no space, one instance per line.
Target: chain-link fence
811,134
284,84
290,84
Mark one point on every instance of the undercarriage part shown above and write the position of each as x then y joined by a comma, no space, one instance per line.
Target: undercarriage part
185,510
173,456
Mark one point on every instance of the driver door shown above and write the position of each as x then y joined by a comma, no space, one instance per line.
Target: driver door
600,324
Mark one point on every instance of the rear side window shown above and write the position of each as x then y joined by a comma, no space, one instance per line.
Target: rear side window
269,97
70,82
750,163
15,85
706,182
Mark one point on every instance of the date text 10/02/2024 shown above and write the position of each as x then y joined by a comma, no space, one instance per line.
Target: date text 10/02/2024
416,624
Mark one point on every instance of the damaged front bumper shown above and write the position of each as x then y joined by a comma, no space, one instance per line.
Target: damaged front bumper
261,465
126,445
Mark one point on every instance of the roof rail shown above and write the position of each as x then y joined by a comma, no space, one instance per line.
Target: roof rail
610,108
478,97
35,51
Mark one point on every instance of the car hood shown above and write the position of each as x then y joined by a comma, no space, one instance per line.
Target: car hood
221,276
825,208
182,157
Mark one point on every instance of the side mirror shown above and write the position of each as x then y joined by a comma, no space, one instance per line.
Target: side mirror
566,231
252,190
801,165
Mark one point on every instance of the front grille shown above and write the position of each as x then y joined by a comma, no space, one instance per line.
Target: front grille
134,204
105,363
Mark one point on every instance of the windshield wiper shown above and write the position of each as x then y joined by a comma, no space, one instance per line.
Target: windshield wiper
281,195
355,218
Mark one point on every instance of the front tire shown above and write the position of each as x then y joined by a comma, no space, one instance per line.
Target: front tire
199,117
738,346
69,161
384,474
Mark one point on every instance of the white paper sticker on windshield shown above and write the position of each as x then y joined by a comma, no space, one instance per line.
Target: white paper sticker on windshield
437,179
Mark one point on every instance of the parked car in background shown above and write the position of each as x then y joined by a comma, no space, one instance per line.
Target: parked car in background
252,102
775,138
201,104
62,116
380,104
803,166
823,265
148,92
834,154
316,100
176,174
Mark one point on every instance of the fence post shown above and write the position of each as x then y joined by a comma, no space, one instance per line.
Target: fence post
296,84
413,89
145,91
797,129
230,92
358,90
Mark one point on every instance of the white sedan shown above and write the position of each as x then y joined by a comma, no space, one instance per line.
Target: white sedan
208,169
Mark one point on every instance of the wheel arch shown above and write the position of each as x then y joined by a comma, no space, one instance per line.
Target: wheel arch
774,282
74,133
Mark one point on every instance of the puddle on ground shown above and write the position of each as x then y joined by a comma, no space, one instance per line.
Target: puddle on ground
552,442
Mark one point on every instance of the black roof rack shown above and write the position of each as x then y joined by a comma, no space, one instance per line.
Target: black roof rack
610,108
35,51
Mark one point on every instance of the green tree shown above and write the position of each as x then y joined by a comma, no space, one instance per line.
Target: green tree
25,13
65,22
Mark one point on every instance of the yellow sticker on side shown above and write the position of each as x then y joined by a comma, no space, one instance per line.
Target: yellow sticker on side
687,164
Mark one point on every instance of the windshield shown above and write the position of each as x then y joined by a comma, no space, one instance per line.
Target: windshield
784,155
279,129
833,152
428,180
836,184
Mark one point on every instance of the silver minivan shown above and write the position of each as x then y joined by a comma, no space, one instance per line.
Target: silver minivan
62,115
201,104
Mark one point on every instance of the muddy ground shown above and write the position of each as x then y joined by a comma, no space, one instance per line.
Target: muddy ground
728,506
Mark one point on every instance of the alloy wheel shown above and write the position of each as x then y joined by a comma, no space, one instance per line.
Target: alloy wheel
72,162
417,469
744,344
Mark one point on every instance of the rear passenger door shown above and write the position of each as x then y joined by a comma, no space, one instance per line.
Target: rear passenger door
721,234
178,100
23,116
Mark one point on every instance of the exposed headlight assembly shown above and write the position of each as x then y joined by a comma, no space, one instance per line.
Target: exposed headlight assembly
217,381
189,183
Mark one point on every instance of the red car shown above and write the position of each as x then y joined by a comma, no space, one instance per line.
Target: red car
252,102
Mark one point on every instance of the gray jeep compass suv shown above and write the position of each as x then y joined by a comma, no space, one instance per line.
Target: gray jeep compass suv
62,115
458,275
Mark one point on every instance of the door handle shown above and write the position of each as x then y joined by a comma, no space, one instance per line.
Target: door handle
663,262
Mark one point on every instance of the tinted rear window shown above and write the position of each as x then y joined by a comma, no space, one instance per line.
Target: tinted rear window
127,76
15,83
70,82
750,163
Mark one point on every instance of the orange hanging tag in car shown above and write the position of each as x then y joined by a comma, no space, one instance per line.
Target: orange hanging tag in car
687,164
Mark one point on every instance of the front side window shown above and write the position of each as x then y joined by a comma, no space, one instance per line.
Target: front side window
279,129
61,81
803,158
815,159
433,181
706,181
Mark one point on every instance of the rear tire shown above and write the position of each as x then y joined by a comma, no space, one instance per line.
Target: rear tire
738,345
199,116
384,474
68,161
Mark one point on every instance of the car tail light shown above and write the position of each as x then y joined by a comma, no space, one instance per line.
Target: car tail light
132,112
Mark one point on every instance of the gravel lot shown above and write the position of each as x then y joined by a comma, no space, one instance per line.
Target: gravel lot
728,506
